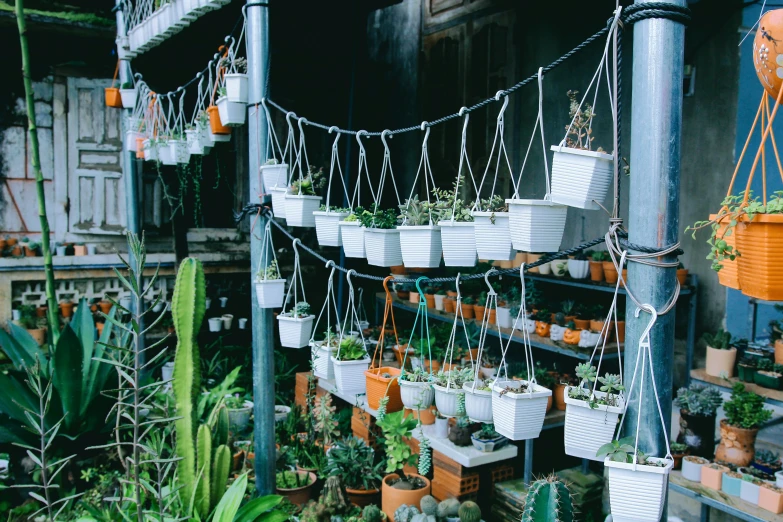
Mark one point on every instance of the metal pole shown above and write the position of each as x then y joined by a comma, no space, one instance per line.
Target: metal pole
257,20
653,212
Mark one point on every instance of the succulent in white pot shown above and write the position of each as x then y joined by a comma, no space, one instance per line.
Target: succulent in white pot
321,352
327,228
296,326
416,389
381,237
579,266
457,230
237,82
352,236
420,240
301,200
128,95
492,230
239,411
519,407
449,393
274,174
478,400
350,361
270,287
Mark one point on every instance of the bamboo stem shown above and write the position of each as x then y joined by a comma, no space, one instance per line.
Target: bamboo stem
54,325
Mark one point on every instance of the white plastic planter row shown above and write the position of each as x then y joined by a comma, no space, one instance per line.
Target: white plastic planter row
519,416
274,176
447,399
749,492
692,470
236,87
352,235
232,114
270,293
295,332
128,97
179,151
636,492
382,247
493,237
299,210
322,360
586,428
537,225
416,395
580,178
278,202
194,142
459,243
166,154
150,150
421,246
349,375
578,269
478,404
326,227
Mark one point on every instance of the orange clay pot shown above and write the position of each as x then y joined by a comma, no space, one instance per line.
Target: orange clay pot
449,305
596,271
682,276
379,386
99,327
392,498
728,276
67,309
434,365
610,274
139,148
398,270
571,336
760,244
542,329
779,351
363,497
214,121
427,416
468,311
430,300
478,311
582,324
771,498
105,306
558,393
620,331
113,98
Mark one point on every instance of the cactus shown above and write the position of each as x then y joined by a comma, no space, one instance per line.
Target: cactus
203,458
187,312
220,437
548,500
425,458
371,513
405,513
448,508
429,506
469,512
221,468
421,517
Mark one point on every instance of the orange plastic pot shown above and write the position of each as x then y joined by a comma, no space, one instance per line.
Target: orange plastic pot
430,300
760,244
379,386
478,310
139,148
214,121
392,498
596,271
468,311
771,498
113,98
682,276
427,416
620,331
728,275
610,274
449,305
67,309
542,329
432,365
38,335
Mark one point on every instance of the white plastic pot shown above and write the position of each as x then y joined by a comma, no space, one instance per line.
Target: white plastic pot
559,267
439,301
536,225
166,154
203,136
228,320
493,237
503,317
299,210
270,293
588,339
179,151
478,403
636,495
278,202
519,416
441,429
779,479
692,470
416,395
421,246
243,323
232,114
194,142
556,332
586,428
349,375
218,138
167,371
128,97
215,324
382,246
578,269
447,399
150,150
749,492
239,418
236,87
274,176
545,269
580,178
295,332
459,243
130,140
322,360
326,227
352,235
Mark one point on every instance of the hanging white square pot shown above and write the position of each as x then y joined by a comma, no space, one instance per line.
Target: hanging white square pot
192,8
459,243
352,235
349,375
208,5
588,428
236,87
179,151
447,399
493,237
536,225
150,150
232,114
278,202
270,292
274,176
478,403
194,143
166,154
218,138
204,131
580,178
421,246
326,227
636,492
503,317
299,210
295,331
130,140
128,97
519,416
416,395
322,360
578,269
383,247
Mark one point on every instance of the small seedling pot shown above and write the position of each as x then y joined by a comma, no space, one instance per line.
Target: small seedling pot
215,324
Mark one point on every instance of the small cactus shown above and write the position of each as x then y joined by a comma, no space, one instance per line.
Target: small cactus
548,500
429,506
405,513
469,512
448,508
371,513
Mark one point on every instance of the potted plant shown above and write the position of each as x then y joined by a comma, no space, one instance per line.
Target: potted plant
749,489
571,335
580,176
322,355
382,383
518,408
478,399
767,462
691,467
236,81
381,237
231,114
745,414
712,475
597,259
324,421
31,249
679,450
66,308
301,200
543,317
458,234
536,225
698,406
610,271
274,174
467,307
493,234
633,476
352,234
776,339
403,290
731,483
448,390
746,369
559,267
295,486
35,325
239,411
270,287
487,439
440,297
558,327
296,326
768,374
399,488
591,416
350,362
419,235
80,249
720,354
771,498
460,434
416,389
353,460
682,274
578,266
327,229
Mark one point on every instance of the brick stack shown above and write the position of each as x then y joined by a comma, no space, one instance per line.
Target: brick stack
453,480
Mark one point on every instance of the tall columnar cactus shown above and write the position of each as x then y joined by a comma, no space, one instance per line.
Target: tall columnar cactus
187,311
548,500
221,467
221,427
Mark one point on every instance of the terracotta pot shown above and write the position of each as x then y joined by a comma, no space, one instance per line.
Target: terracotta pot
698,433
80,250
760,244
449,305
720,362
379,386
678,459
67,309
712,476
468,311
542,329
427,415
392,498
105,306
682,276
779,351
398,269
558,392
430,300
12,241
403,294
771,498
620,331
532,258
414,297
596,271
139,148
298,496
451,293
41,311
363,497
610,274
582,324
737,446
214,121
99,328
478,311
112,97
549,404
435,365
29,252
16,251
596,325
38,335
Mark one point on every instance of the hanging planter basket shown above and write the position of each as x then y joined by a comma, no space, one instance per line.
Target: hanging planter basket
421,246
478,404
128,97
349,376
637,492
278,202
166,154
194,142
295,331
179,151
588,428
383,247
760,265
447,399
493,236
459,243
536,225
580,178
232,114
299,210
270,293
383,382
218,138
352,235
112,97
274,176
150,149
519,416
132,138
236,87
416,395
327,229
322,360
215,122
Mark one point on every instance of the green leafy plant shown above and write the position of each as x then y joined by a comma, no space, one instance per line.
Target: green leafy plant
352,459
623,451
719,340
457,377
599,256
307,185
417,375
611,385
292,479
269,273
300,310
325,420
396,427
376,218
415,213
351,349
745,409
580,129
699,400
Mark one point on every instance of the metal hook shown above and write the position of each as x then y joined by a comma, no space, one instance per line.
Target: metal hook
330,263
456,285
425,126
465,124
359,141
299,123
386,285
295,242
288,118
336,138
486,280
348,277
418,286
505,104
383,138
654,313
334,128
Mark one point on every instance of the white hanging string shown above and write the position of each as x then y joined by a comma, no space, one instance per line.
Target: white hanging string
335,161
271,136
463,160
302,153
386,168
357,192
330,299
529,363
350,312
540,125
448,357
498,141
297,284
290,147
267,251
424,166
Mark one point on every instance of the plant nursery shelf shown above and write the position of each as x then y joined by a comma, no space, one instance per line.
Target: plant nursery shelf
734,506
586,283
543,343
772,396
